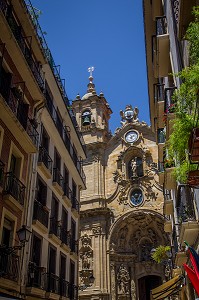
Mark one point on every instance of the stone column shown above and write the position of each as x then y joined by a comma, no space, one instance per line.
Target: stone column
112,274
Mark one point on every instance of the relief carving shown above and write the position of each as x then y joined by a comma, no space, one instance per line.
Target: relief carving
123,279
86,259
122,238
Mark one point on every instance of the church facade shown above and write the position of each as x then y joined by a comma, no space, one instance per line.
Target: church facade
122,207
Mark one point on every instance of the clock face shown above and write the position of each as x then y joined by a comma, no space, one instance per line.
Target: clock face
136,197
131,136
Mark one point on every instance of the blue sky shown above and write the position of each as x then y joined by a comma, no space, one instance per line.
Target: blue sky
106,34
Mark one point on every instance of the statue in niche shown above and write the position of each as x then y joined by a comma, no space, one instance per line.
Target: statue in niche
85,260
122,237
134,167
123,279
152,235
145,251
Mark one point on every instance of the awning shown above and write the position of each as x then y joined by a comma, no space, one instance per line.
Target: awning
168,288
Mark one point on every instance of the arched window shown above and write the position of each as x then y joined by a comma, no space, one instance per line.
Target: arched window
135,167
86,118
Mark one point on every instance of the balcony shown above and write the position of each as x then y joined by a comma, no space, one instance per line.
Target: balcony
160,45
194,146
53,283
189,227
159,101
67,197
73,292
75,206
74,246
65,237
161,172
14,191
45,162
36,284
169,180
9,264
1,173
58,181
11,102
23,42
65,288
54,232
41,215
63,133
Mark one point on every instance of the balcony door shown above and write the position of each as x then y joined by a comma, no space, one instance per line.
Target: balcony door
52,279
45,140
41,192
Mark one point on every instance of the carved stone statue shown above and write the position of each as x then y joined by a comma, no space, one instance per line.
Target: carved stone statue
85,260
122,237
134,167
123,279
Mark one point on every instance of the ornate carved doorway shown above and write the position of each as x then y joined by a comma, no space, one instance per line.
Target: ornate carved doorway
133,273
146,284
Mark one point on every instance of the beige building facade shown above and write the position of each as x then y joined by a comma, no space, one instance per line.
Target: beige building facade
121,216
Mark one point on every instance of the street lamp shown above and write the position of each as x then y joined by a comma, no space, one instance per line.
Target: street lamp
24,234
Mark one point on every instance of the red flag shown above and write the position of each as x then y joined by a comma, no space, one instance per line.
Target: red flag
193,277
194,260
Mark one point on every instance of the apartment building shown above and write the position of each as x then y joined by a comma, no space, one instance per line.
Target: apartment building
41,164
168,53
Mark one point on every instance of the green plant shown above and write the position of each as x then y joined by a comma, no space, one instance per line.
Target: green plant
169,163
161,253
186,105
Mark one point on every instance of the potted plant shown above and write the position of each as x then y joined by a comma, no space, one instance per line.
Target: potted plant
161,253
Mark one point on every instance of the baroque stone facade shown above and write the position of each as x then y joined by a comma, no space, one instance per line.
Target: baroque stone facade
121,210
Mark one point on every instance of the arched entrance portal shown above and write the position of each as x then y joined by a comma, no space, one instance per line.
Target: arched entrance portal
146,284
133,273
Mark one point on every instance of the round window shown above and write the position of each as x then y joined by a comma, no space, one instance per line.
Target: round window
136,197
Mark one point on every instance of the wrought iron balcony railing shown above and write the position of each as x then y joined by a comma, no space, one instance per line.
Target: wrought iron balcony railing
53,283
158,92
1,173
23,42
40,213
54,227
65,236
14,187
75,203
9,264
74,245
67,192
73,291
64,288
185,204
36,276
169,104
161,25
57,177
45,158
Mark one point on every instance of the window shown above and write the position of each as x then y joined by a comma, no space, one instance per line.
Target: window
36,250
86,118
57,160
15,162
41,192
7,232
45,140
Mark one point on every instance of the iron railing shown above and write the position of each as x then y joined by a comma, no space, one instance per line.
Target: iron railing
23,42
158,92
57,177
40,214
67,191
53,283
65,236
1,173
36,276
45,158
73,291
75,203
169,104
9,264
161,25
54,227
185,204
64,288
14,187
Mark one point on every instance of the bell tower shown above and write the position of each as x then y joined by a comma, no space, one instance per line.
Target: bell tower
92,113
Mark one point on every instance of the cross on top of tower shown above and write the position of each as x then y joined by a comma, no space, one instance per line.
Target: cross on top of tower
90,70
